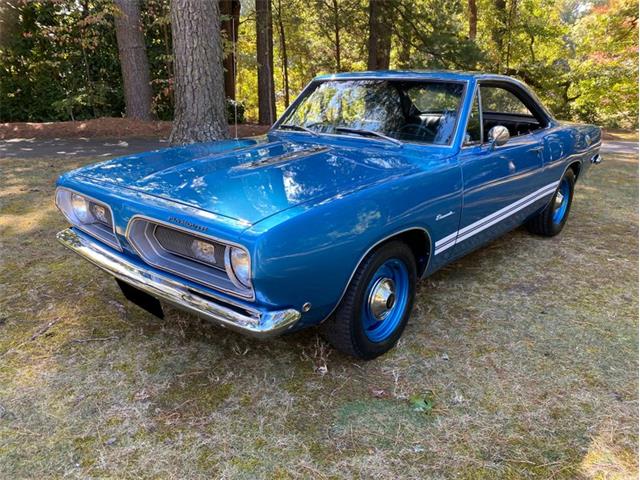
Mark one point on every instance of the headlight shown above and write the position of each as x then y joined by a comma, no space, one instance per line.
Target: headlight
80,206
89,215
100,213
204,251
240,266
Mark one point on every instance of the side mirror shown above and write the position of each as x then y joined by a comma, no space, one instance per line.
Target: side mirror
498,136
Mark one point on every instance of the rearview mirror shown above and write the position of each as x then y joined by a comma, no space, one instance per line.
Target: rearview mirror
498,136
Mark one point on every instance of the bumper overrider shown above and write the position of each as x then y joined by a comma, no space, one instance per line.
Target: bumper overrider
254,322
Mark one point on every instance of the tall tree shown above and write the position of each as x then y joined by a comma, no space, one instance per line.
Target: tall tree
473,19
133,60
199,78
230,11
264,51
283,54
379,34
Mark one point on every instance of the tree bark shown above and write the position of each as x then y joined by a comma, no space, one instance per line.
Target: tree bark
336,30
199,114
473,19
133,60
264,47
230,11
283,53
379,34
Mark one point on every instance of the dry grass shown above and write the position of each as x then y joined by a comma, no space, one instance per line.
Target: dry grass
528,348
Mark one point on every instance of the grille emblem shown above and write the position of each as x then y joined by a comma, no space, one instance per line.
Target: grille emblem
188,224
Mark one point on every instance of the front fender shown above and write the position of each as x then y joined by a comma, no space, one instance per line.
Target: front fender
308,254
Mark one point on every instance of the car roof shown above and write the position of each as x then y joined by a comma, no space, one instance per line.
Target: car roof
413,75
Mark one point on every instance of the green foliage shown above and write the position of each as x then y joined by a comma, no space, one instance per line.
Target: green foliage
605,67
59,59
235,111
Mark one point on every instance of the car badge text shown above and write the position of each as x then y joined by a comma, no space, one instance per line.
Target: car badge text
188,224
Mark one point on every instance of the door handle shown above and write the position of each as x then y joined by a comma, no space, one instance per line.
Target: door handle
537,149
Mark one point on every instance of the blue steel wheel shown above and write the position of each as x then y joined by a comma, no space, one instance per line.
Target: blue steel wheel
385,300
551,220
376,305
561,201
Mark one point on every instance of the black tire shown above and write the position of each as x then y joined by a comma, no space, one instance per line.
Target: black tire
543,223
344,330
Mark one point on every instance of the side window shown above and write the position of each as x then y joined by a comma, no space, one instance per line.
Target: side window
499,100
473,134
502,107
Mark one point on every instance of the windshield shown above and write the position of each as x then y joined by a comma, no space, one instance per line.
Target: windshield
419,112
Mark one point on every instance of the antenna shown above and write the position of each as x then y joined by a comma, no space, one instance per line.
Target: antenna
235,79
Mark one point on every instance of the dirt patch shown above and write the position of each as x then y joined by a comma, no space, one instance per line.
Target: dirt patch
620,134
104,128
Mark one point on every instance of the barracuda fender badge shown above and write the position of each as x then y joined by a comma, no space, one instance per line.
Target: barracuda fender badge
188,224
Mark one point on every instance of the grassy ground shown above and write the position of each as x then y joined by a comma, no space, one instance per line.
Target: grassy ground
523,357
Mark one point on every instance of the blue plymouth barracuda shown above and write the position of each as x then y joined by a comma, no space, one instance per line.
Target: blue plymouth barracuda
367,183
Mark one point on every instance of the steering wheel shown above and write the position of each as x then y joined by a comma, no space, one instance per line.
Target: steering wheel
418,130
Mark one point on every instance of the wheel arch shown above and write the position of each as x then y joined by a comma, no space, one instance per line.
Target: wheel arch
576,167
419,241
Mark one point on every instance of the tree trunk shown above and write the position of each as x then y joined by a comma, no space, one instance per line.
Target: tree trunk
404,32
379,34
199,114
285,58
473,19
513,10
336,30
264,47
133,60
230,11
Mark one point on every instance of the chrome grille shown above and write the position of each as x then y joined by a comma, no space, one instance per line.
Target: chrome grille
169,248
181,244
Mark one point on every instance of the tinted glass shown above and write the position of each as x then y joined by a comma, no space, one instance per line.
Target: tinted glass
421,112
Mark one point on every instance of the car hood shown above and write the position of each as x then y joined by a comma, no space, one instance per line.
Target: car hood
251,179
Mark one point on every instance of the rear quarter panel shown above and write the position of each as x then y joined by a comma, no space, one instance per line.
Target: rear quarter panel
567,144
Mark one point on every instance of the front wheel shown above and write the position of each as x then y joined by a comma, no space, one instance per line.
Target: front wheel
551,220
376,306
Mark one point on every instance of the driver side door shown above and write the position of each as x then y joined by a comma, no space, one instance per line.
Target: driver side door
502,185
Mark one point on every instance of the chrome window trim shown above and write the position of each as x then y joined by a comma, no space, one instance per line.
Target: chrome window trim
116,243
250,290
475,97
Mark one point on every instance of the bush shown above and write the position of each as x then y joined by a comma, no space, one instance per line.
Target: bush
232,105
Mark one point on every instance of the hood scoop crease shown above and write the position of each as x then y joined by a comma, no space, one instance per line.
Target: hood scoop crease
285,157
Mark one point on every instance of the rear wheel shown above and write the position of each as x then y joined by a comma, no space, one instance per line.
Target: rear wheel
551,220
377,304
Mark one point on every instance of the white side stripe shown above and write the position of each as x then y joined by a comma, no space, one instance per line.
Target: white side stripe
446,239
490,220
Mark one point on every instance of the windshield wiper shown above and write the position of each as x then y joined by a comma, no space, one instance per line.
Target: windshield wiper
300,128
369,133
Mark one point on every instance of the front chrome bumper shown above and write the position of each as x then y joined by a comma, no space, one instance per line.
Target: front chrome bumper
246,320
